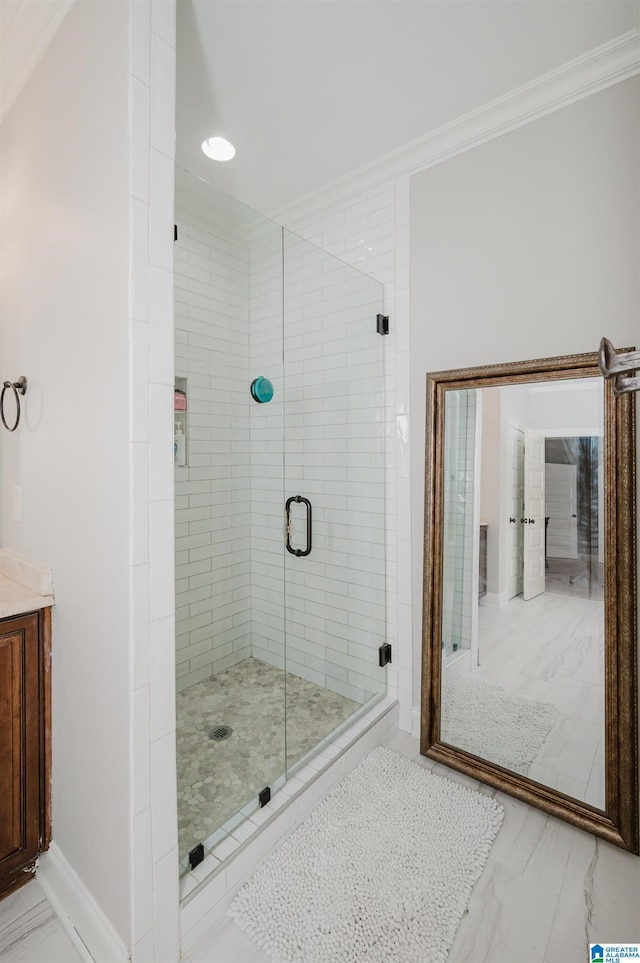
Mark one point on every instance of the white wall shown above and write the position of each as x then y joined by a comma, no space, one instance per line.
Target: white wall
65,310
87,200
560,409
525,247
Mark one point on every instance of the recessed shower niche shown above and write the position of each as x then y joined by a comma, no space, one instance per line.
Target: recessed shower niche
280,529
180,425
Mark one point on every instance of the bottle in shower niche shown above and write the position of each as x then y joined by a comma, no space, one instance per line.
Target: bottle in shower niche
179,446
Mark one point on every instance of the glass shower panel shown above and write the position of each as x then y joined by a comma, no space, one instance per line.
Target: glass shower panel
459,521
279,508
334,489
228,511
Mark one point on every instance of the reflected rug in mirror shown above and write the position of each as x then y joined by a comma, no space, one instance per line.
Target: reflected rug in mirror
494,723
381,871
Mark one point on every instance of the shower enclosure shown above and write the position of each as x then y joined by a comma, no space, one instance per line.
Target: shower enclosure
279,483
460,514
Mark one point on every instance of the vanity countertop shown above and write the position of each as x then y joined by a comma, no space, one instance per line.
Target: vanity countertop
24,585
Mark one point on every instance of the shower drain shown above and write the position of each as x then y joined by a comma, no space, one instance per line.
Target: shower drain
220,733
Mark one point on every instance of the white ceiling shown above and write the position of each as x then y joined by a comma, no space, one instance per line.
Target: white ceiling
310,90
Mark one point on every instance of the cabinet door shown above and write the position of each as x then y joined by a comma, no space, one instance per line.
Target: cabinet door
19,742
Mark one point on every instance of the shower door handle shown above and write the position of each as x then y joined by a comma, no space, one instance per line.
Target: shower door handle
298,551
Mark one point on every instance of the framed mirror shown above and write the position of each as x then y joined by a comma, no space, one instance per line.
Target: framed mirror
529,625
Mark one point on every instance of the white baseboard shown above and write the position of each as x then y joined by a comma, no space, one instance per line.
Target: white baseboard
82,919
415,722
495,600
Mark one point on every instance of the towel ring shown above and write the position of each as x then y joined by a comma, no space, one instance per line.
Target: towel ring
18,387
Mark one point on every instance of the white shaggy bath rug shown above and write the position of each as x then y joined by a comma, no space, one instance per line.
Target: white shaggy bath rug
380,872
489,721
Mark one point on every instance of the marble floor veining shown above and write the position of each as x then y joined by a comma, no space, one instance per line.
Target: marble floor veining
551,649
546,892
30,931
276,718
581,578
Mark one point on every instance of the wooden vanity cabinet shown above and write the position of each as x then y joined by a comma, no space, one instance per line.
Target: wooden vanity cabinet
25,745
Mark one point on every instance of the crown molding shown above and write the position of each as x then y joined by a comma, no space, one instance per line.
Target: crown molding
606,65
27,30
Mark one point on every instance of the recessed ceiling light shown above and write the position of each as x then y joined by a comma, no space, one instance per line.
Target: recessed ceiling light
218,148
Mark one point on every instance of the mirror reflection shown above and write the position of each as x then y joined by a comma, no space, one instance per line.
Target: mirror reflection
522,611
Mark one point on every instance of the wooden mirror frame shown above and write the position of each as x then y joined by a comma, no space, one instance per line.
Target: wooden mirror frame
618,822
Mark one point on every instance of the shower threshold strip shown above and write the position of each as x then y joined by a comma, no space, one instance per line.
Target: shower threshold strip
207,890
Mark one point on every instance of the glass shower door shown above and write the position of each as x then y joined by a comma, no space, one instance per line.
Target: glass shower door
279,506
228,513
334,494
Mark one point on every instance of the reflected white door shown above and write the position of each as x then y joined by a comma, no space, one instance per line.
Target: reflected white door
516,509
533,524
561,498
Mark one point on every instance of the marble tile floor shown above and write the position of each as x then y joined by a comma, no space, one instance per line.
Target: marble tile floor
581,578
30,932
551,649
273,714
546,892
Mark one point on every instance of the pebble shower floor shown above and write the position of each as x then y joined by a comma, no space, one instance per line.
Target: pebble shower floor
217,778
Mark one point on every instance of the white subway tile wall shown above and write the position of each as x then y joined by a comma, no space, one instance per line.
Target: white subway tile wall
370,232
213,498
332,422
267,452
335,453
232,326
154,930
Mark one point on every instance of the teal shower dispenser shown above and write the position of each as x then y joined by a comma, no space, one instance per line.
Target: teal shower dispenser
261,390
